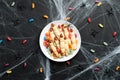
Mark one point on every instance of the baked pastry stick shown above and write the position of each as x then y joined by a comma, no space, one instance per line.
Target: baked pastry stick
60,30
66,47
56,31
52,35
57,42
53,48
62,45
73,40
66,32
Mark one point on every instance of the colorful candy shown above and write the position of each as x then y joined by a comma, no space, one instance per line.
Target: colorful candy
114,34
89,20
96,69
24,42
117,68
47,34
105,43
70,9
46,44
9,71
100,25
45,38
45,16
33,5
92,50
1,41
31,20
9,38
6,65
25,65
13,3
41,70
96,60
99,3
68,62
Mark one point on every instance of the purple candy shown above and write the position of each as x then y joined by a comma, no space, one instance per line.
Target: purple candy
96,69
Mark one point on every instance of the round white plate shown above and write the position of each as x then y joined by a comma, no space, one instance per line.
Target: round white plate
45,51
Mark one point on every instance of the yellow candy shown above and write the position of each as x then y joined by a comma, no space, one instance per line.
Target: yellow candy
8,71
13,3
33,5
41,70
100,25
45,16
99,4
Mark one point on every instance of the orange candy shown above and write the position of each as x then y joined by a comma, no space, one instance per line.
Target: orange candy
47,34
45,16
41,70
117,68
96,60
44,43
33,5
71,46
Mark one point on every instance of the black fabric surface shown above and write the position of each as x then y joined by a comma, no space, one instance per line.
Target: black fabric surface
14,23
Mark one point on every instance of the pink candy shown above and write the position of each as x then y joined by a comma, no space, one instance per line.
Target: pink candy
97,1
68,62
96,69
25,65
114,34
70,9
6,65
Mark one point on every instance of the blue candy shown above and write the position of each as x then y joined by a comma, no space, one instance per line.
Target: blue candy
44,37
1,41
31,20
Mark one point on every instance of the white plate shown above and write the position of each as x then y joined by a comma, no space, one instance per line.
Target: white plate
44,50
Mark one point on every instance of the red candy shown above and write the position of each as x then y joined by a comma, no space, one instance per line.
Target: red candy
9,38
46,44
89,20
24,41
114,34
